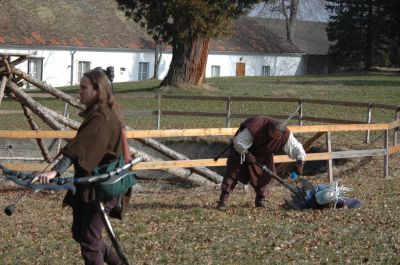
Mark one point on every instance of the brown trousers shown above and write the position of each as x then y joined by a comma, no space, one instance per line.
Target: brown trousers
87,227
244,173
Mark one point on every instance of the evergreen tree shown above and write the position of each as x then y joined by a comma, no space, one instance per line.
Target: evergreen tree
361,31
187,26
393,22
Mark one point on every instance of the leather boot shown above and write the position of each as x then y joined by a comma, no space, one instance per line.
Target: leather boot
222,201
260,202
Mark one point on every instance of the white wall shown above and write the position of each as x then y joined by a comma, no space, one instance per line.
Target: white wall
280,65
57,71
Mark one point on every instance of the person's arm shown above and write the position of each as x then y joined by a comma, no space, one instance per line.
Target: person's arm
295,150
57,170
242,142
62,165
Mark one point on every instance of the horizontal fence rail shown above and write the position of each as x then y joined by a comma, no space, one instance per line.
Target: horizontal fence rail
328,156
204,132
229,114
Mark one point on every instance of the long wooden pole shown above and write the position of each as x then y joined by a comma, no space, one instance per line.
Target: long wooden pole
329,162
386,156
203,171
48,88
2,88
35,127
203,132
35,107
369,117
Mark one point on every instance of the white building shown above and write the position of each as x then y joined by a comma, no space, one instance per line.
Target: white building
66,38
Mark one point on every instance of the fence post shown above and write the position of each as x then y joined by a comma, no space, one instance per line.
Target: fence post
301,112
228,112
158,111
369,117
396,130
329,162
386,157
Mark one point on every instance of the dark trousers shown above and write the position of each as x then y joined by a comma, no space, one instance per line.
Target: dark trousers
87,227
233,175
230,181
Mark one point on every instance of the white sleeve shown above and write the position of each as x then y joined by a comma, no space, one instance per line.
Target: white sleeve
243,141
294,149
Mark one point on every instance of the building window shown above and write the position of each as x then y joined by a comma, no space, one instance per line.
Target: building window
83,67
266,70
35,67
215,70
143,71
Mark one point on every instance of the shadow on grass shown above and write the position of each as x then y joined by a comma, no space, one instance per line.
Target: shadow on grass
137,90
159,205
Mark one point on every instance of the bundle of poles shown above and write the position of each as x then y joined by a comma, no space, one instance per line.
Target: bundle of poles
12,79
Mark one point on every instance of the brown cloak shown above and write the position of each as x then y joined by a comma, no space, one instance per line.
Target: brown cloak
97,142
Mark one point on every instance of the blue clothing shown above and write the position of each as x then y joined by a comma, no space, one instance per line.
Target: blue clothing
309,202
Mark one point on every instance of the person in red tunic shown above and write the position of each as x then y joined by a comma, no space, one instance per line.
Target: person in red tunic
258,139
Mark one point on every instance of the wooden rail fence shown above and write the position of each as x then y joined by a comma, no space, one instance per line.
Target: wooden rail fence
385,151
229,115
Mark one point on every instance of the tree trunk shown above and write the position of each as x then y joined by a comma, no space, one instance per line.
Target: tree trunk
157,58
291,18
188,63
370,46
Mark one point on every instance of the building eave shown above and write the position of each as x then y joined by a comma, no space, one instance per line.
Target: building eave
73,48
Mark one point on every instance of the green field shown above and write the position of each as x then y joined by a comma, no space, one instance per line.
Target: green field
181,226
372,88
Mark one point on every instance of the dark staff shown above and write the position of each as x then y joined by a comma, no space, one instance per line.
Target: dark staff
295,190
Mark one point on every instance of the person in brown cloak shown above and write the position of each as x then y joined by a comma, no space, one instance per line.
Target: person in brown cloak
258,139
98,142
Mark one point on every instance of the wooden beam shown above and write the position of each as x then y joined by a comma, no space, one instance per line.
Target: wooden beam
344,127
182,132
203,132
21,134
2,88
173,164
330,161
48,88
358,153
394,149
386,157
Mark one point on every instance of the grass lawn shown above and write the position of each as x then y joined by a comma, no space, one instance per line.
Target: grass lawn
181,226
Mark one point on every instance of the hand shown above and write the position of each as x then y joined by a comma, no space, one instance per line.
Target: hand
299,167
250,158
294,175
45,178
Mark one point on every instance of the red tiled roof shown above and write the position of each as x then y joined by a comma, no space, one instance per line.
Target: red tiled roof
99,24
77,23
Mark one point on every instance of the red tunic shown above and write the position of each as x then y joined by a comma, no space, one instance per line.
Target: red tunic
263,148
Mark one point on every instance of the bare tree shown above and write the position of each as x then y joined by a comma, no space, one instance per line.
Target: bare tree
292,11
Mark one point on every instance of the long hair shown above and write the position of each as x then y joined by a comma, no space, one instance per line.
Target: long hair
105,97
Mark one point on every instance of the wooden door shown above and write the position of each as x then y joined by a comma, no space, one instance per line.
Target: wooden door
240,69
